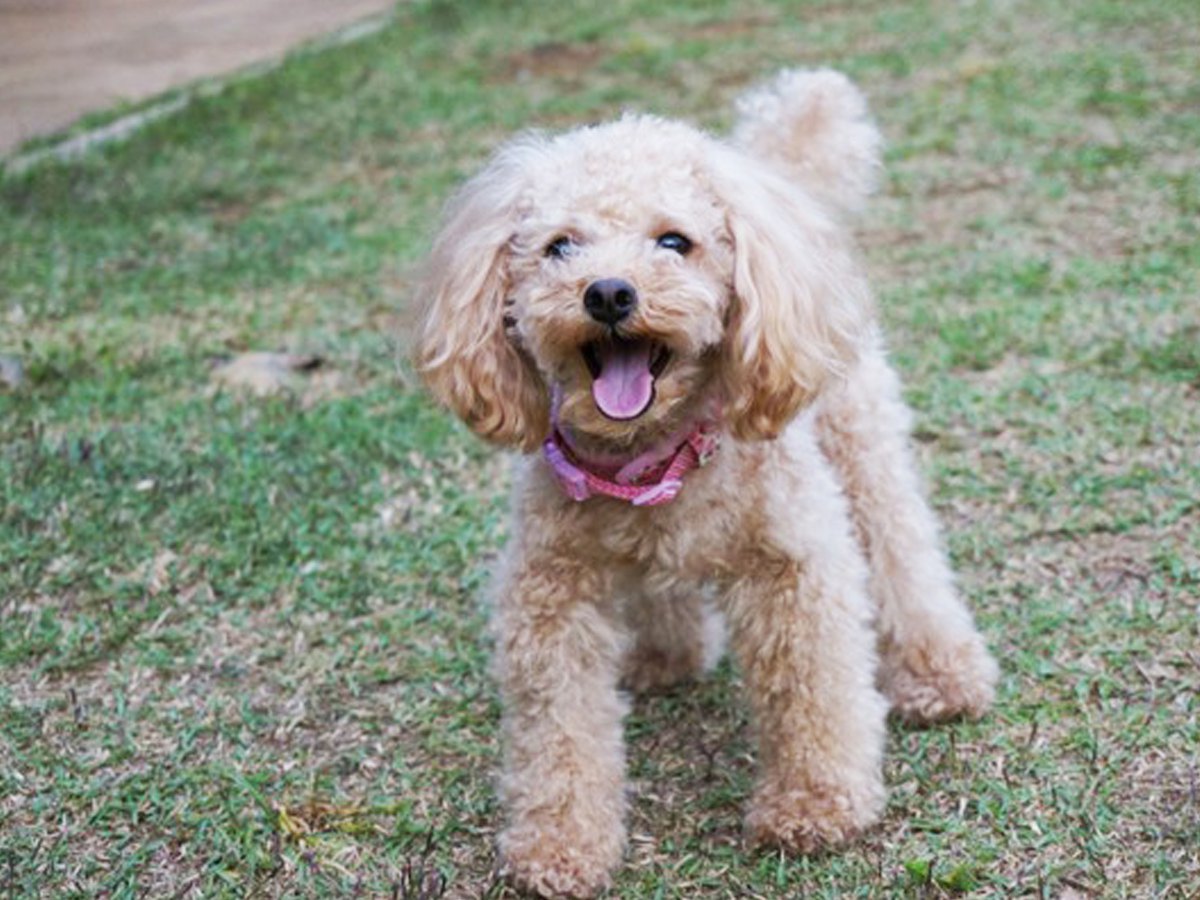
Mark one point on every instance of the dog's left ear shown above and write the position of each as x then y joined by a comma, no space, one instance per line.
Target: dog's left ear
801,307
464,350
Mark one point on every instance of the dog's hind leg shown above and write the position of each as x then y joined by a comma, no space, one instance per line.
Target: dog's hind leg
933,662
676,632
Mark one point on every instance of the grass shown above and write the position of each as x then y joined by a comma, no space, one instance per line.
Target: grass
241,651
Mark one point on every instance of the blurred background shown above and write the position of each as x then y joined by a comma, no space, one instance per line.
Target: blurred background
60,59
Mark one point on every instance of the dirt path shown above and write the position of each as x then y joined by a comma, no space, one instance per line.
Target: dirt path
62,58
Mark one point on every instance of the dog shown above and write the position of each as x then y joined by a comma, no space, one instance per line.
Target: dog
675,331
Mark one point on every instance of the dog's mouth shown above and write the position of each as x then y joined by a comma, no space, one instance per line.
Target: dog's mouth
623,374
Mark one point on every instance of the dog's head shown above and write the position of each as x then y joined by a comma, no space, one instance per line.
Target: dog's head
640,272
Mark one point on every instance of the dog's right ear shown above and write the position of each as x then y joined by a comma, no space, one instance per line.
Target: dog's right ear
801,309
464,351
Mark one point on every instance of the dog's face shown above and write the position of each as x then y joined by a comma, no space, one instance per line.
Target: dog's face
635,275
620,281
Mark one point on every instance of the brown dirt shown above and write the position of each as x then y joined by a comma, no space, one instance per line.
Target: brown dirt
553,60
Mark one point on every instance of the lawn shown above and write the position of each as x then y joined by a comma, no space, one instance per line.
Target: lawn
241,643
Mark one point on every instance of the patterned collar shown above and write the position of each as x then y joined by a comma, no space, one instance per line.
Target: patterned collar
652,478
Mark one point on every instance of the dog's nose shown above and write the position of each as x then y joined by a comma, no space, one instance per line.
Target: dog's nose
609,300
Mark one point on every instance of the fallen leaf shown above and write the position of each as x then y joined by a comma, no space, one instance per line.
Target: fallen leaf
12,373
263,373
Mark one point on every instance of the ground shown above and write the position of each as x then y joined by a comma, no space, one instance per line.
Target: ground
242,650
64,58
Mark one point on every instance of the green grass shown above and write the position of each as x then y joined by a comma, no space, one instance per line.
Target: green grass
241,650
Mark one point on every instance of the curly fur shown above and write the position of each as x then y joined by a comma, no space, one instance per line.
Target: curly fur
808,533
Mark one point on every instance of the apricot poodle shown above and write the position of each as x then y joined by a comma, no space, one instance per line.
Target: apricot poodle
676,332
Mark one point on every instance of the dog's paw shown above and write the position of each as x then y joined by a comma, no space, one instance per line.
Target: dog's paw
652,669
926,685
549,865
808,820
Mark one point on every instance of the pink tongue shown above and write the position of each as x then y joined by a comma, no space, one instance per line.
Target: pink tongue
624,388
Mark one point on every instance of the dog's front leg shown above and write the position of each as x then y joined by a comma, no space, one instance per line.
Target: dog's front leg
559,648
800,630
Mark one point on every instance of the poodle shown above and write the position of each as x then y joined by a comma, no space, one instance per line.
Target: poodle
675,331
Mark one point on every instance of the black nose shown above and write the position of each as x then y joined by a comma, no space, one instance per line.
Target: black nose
609,300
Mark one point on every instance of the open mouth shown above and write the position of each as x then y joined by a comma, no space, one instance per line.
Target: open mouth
623,374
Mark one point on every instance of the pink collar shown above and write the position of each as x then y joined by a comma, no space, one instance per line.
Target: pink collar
651,478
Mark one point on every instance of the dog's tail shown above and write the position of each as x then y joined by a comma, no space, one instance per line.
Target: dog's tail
814,125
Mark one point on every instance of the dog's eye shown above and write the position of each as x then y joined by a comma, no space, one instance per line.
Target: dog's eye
560,248
675,242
